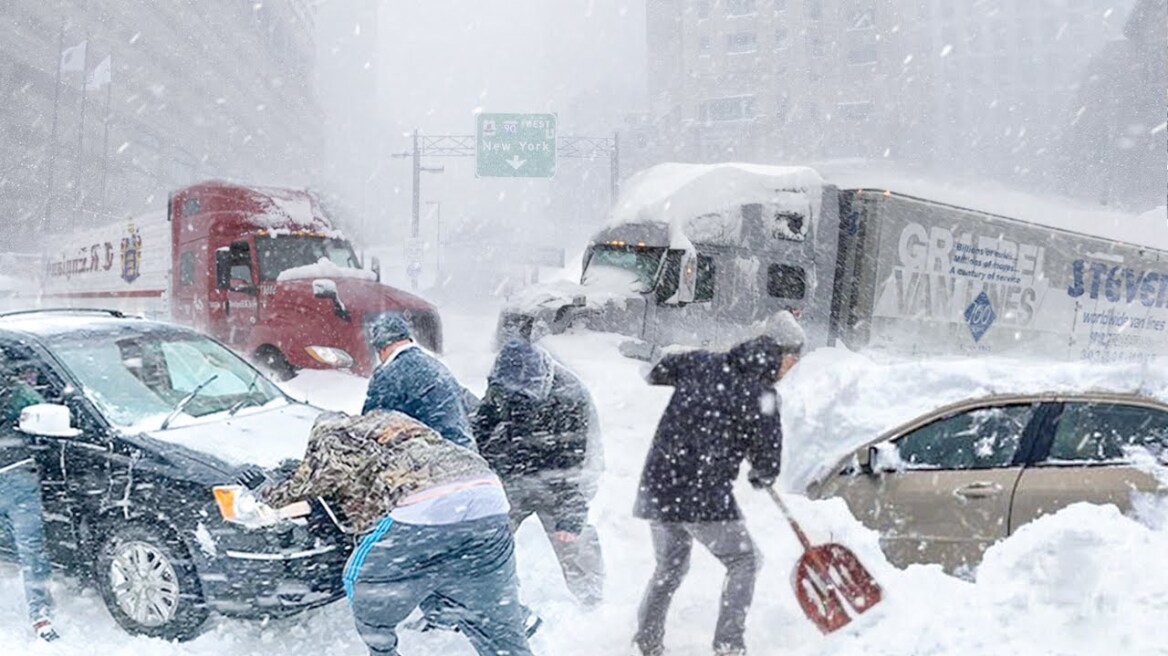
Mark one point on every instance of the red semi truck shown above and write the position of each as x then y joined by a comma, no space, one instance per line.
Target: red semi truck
261,269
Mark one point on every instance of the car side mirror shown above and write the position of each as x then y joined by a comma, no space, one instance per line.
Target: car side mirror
47,419
375,267
883,458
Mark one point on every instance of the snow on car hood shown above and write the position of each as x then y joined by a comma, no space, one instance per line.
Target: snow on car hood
262,437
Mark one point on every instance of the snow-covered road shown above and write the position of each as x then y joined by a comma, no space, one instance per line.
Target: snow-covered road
1086,581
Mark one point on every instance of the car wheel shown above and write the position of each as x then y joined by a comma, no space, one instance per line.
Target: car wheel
149,583
272,360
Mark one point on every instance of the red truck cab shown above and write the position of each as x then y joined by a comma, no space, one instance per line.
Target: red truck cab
265,271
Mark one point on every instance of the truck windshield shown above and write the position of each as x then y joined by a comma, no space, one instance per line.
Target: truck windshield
278,254
633,266
138,379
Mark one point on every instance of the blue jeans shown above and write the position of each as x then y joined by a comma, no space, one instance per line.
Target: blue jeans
469,567
20,504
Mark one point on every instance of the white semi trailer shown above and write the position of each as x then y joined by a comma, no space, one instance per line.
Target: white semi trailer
703,255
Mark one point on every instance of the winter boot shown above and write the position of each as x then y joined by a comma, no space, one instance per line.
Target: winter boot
44,630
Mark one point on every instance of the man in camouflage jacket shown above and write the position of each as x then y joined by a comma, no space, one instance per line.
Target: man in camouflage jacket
433,520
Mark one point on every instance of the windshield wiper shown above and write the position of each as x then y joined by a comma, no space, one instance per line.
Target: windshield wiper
246,396
185,400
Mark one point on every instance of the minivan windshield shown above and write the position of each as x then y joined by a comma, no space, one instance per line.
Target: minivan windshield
139,378
278,254
623,268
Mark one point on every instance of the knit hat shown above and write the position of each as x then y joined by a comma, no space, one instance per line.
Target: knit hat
785,330
387,329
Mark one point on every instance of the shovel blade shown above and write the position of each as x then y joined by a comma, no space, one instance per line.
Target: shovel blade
832,586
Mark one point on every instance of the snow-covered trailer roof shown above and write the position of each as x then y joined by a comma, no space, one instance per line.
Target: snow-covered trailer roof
701,202
1149,229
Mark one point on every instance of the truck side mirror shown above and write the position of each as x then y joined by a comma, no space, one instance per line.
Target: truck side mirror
677,284
375,267
326,288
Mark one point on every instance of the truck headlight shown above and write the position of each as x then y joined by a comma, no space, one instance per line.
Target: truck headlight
330,355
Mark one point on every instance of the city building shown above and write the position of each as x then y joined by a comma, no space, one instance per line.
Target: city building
110,104
979,85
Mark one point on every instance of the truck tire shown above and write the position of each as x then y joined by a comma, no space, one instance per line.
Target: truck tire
274,362
149,583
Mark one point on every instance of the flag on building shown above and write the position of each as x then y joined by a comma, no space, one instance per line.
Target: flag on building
73,59
102,74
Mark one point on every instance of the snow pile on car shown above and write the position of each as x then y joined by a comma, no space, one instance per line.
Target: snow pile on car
836,400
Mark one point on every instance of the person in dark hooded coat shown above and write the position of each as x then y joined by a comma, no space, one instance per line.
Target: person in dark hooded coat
724,409
537,427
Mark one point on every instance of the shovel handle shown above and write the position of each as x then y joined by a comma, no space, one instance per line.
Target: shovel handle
790,519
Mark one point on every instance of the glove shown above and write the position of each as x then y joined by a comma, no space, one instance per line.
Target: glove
759,481
251,477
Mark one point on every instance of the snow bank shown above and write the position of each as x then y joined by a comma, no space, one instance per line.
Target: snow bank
325,268
700,202
835,400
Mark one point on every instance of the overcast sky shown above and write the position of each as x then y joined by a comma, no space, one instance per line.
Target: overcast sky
442,59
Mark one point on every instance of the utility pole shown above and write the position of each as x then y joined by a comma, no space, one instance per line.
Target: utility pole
417,190
614,166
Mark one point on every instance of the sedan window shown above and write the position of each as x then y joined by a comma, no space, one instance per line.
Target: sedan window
1101,432
976,439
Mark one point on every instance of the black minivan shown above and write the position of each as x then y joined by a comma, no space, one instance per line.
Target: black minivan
165,414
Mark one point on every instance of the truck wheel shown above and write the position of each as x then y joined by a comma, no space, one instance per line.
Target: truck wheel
149,583
272,360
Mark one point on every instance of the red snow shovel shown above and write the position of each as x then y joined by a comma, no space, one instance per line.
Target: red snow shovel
830,583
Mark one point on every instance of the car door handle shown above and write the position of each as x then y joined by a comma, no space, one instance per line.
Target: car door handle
979,490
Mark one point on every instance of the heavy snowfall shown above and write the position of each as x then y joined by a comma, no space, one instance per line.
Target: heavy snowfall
222,219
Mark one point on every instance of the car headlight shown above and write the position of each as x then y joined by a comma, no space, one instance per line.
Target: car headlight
330,355
238,505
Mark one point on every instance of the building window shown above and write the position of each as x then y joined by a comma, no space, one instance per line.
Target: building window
704,45
785,281
861,15
813,9
703,8
721,110
739,7
741,42
779,5
855,112
862,52
782,107
782,38
815,47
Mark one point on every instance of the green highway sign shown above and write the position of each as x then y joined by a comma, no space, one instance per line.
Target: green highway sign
515,146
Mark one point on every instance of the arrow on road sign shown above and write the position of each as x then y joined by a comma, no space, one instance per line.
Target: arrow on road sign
515,162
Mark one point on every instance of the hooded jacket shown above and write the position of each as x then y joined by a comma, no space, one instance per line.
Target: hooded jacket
417,384
537,425
724,409
368,463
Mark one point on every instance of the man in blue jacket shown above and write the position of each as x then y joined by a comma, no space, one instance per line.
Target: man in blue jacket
414,382
724,409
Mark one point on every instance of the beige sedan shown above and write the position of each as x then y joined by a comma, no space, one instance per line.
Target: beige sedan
943,488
